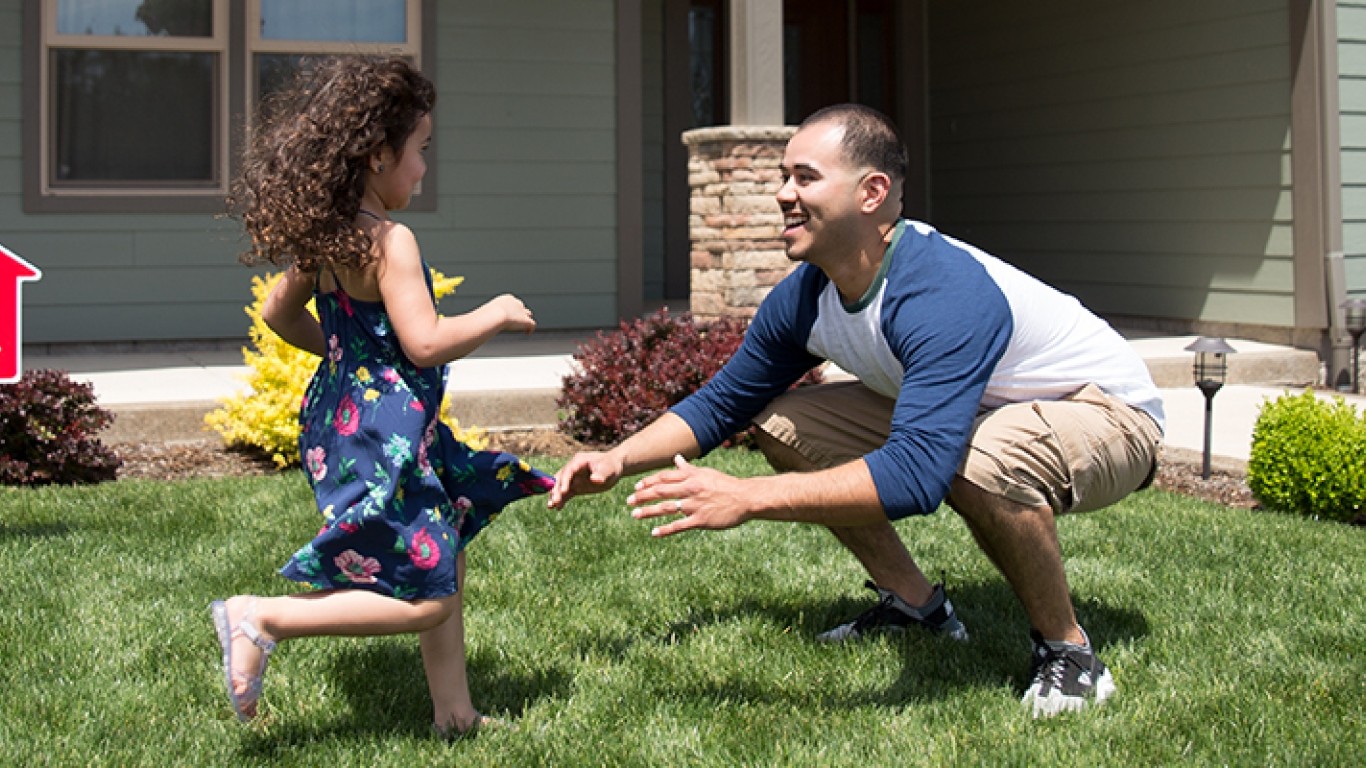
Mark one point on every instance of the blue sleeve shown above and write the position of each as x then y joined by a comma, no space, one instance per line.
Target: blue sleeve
771,359
949,324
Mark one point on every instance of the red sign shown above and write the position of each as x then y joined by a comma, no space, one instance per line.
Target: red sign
13,272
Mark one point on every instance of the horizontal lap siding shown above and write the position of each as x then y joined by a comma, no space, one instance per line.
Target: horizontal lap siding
1351,20
526,131
1134,154
525,140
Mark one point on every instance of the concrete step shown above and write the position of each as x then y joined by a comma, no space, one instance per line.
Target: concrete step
513,384
1254,363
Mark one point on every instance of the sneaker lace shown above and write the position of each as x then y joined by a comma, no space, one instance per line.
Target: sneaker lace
873,616
1052,667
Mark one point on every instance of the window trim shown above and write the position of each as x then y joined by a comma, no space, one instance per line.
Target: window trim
235,39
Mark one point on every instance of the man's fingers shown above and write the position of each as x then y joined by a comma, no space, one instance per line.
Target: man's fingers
666,507
677,526
583,474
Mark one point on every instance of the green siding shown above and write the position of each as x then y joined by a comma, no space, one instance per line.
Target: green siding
525,135
1136,155
526,125
1351,18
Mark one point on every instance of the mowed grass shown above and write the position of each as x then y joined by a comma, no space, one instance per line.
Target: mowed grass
1236,638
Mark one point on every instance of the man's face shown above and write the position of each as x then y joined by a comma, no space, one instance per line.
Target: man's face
819,196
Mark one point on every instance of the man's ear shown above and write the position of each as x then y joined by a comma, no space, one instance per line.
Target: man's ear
874,190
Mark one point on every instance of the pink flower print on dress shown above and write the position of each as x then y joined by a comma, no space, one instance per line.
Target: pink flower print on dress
424,464
390,375
356,568
315,459
424,551
348,417
536,484
334,352
344,302
462,506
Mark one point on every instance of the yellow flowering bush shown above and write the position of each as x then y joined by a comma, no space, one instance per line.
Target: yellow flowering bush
265,415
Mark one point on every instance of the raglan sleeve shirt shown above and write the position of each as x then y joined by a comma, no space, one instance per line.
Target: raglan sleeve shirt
948,324
771,358
940,317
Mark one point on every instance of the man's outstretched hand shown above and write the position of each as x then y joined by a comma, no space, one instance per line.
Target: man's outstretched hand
586,473
702,498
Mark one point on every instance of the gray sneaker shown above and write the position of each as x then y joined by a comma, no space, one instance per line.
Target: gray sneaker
893,615
1065,679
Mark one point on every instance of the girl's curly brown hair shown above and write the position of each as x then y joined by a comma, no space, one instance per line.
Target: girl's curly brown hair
303,173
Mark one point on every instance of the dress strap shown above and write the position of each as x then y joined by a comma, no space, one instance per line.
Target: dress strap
318,280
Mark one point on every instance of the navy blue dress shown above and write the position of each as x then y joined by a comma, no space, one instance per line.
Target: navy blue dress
400,496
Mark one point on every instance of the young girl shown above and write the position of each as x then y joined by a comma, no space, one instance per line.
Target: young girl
400,497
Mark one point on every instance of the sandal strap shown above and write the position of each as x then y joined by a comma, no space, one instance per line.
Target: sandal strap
247,626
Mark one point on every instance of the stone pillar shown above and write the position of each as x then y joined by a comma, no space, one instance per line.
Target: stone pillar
735,225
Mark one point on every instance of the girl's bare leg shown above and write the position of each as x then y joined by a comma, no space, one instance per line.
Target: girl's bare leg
334,613
443,659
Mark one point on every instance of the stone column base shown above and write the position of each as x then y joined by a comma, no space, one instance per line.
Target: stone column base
735,225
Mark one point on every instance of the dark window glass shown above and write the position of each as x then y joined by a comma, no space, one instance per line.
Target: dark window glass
133,116
275,70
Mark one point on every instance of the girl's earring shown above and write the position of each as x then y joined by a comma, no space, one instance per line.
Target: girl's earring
379,168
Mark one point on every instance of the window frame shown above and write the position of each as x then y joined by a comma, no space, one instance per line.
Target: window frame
236,39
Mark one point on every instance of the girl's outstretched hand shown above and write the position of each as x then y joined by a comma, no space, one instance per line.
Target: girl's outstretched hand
516,316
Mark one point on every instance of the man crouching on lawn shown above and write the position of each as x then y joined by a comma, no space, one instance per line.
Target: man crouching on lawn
976,383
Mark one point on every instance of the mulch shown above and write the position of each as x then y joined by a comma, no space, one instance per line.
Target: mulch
209,458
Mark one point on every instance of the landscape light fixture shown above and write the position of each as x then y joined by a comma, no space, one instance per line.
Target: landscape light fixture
1354,318
1211,371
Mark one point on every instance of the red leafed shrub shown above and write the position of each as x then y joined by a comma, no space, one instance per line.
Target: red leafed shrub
47,432
628,378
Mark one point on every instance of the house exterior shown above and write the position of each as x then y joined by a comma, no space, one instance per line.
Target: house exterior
1182,167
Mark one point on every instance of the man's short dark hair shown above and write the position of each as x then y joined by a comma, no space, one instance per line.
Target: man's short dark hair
870,139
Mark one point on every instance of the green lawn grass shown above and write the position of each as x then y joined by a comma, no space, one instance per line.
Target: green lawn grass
1236,638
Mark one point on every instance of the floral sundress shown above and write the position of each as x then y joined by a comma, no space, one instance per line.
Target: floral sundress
399,495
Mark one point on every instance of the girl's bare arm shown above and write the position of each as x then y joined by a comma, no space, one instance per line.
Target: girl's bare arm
428,339
286,312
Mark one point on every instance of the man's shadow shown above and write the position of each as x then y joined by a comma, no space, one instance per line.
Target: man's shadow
933,667
385,691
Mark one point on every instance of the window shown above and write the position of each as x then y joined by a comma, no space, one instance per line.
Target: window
134,105
283,35
707,30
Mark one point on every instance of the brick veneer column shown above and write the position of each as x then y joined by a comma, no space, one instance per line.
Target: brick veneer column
735,226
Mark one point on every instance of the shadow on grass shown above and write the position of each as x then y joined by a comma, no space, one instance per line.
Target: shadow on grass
34,531
933,667
385,693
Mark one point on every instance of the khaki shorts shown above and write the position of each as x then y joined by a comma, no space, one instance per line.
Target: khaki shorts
1083,452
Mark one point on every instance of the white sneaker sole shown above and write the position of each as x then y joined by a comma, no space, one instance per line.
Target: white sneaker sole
1057,702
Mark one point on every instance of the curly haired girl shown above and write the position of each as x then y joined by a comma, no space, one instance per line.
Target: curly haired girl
399,495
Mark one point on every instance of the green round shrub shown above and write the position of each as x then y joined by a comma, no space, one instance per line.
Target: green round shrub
1309,457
